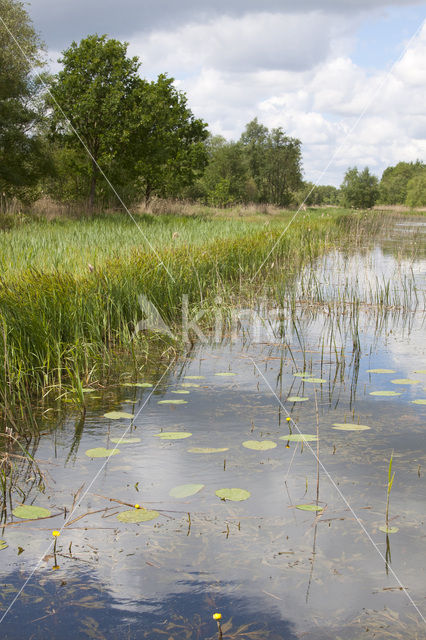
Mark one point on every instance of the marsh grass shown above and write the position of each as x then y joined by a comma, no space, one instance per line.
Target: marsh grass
69,288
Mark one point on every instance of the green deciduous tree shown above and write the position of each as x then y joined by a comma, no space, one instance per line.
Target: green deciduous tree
359,189
394,182
226,179
23,158
416,190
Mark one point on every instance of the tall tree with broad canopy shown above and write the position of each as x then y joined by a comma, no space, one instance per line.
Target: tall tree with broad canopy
359,189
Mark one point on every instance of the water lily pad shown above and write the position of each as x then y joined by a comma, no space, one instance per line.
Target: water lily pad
125,440
236,495
385,393
316,380
225,373
309,507
296,399
88,390
101,452
208,449
118,415
172,435
386,529
405,381
185,490
419,401
137,515
30,512
189,384
173,402
181,391
142,385
347,426
194,377
381,371
420,371
259,445
301,374
3,545
300,437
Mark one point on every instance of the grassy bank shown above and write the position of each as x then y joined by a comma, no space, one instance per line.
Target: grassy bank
69,289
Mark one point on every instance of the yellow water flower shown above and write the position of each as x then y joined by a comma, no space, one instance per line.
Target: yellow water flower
217,616
55,534
137,506
55,567
288,418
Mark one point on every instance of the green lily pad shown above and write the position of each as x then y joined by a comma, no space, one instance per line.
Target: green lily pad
30,512
118,415
101,452
189,384
301,374
420,371
142,385
185,490
259,445
181,391
405,381
236,495
386,529
194,377
137,515
225,373
125,440
172,435
208,449
309,507
316,380
173,402
300,437
381,371
3,545
347,426
385,393
88,390
419,401
296,399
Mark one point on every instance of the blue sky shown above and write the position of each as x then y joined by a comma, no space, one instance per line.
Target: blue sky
311,67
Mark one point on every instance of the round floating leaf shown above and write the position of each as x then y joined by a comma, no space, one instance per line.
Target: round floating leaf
309,507
405,381
381,371
189,384
125,440
386,529
225,373
236,495
300,437
181,391
296,399
173,402
185,490
3,545
194,377
118,415
385,393
420,371
101,452
88,390
172,435
301,374
137,515
419,401
316,380
259,445
208,449
142,385
347,426
30,512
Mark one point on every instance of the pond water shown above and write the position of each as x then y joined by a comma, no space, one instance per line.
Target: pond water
271,569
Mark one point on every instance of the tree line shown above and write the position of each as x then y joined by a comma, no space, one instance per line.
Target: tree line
98,123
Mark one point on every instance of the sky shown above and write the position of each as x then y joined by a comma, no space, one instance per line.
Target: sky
346,77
